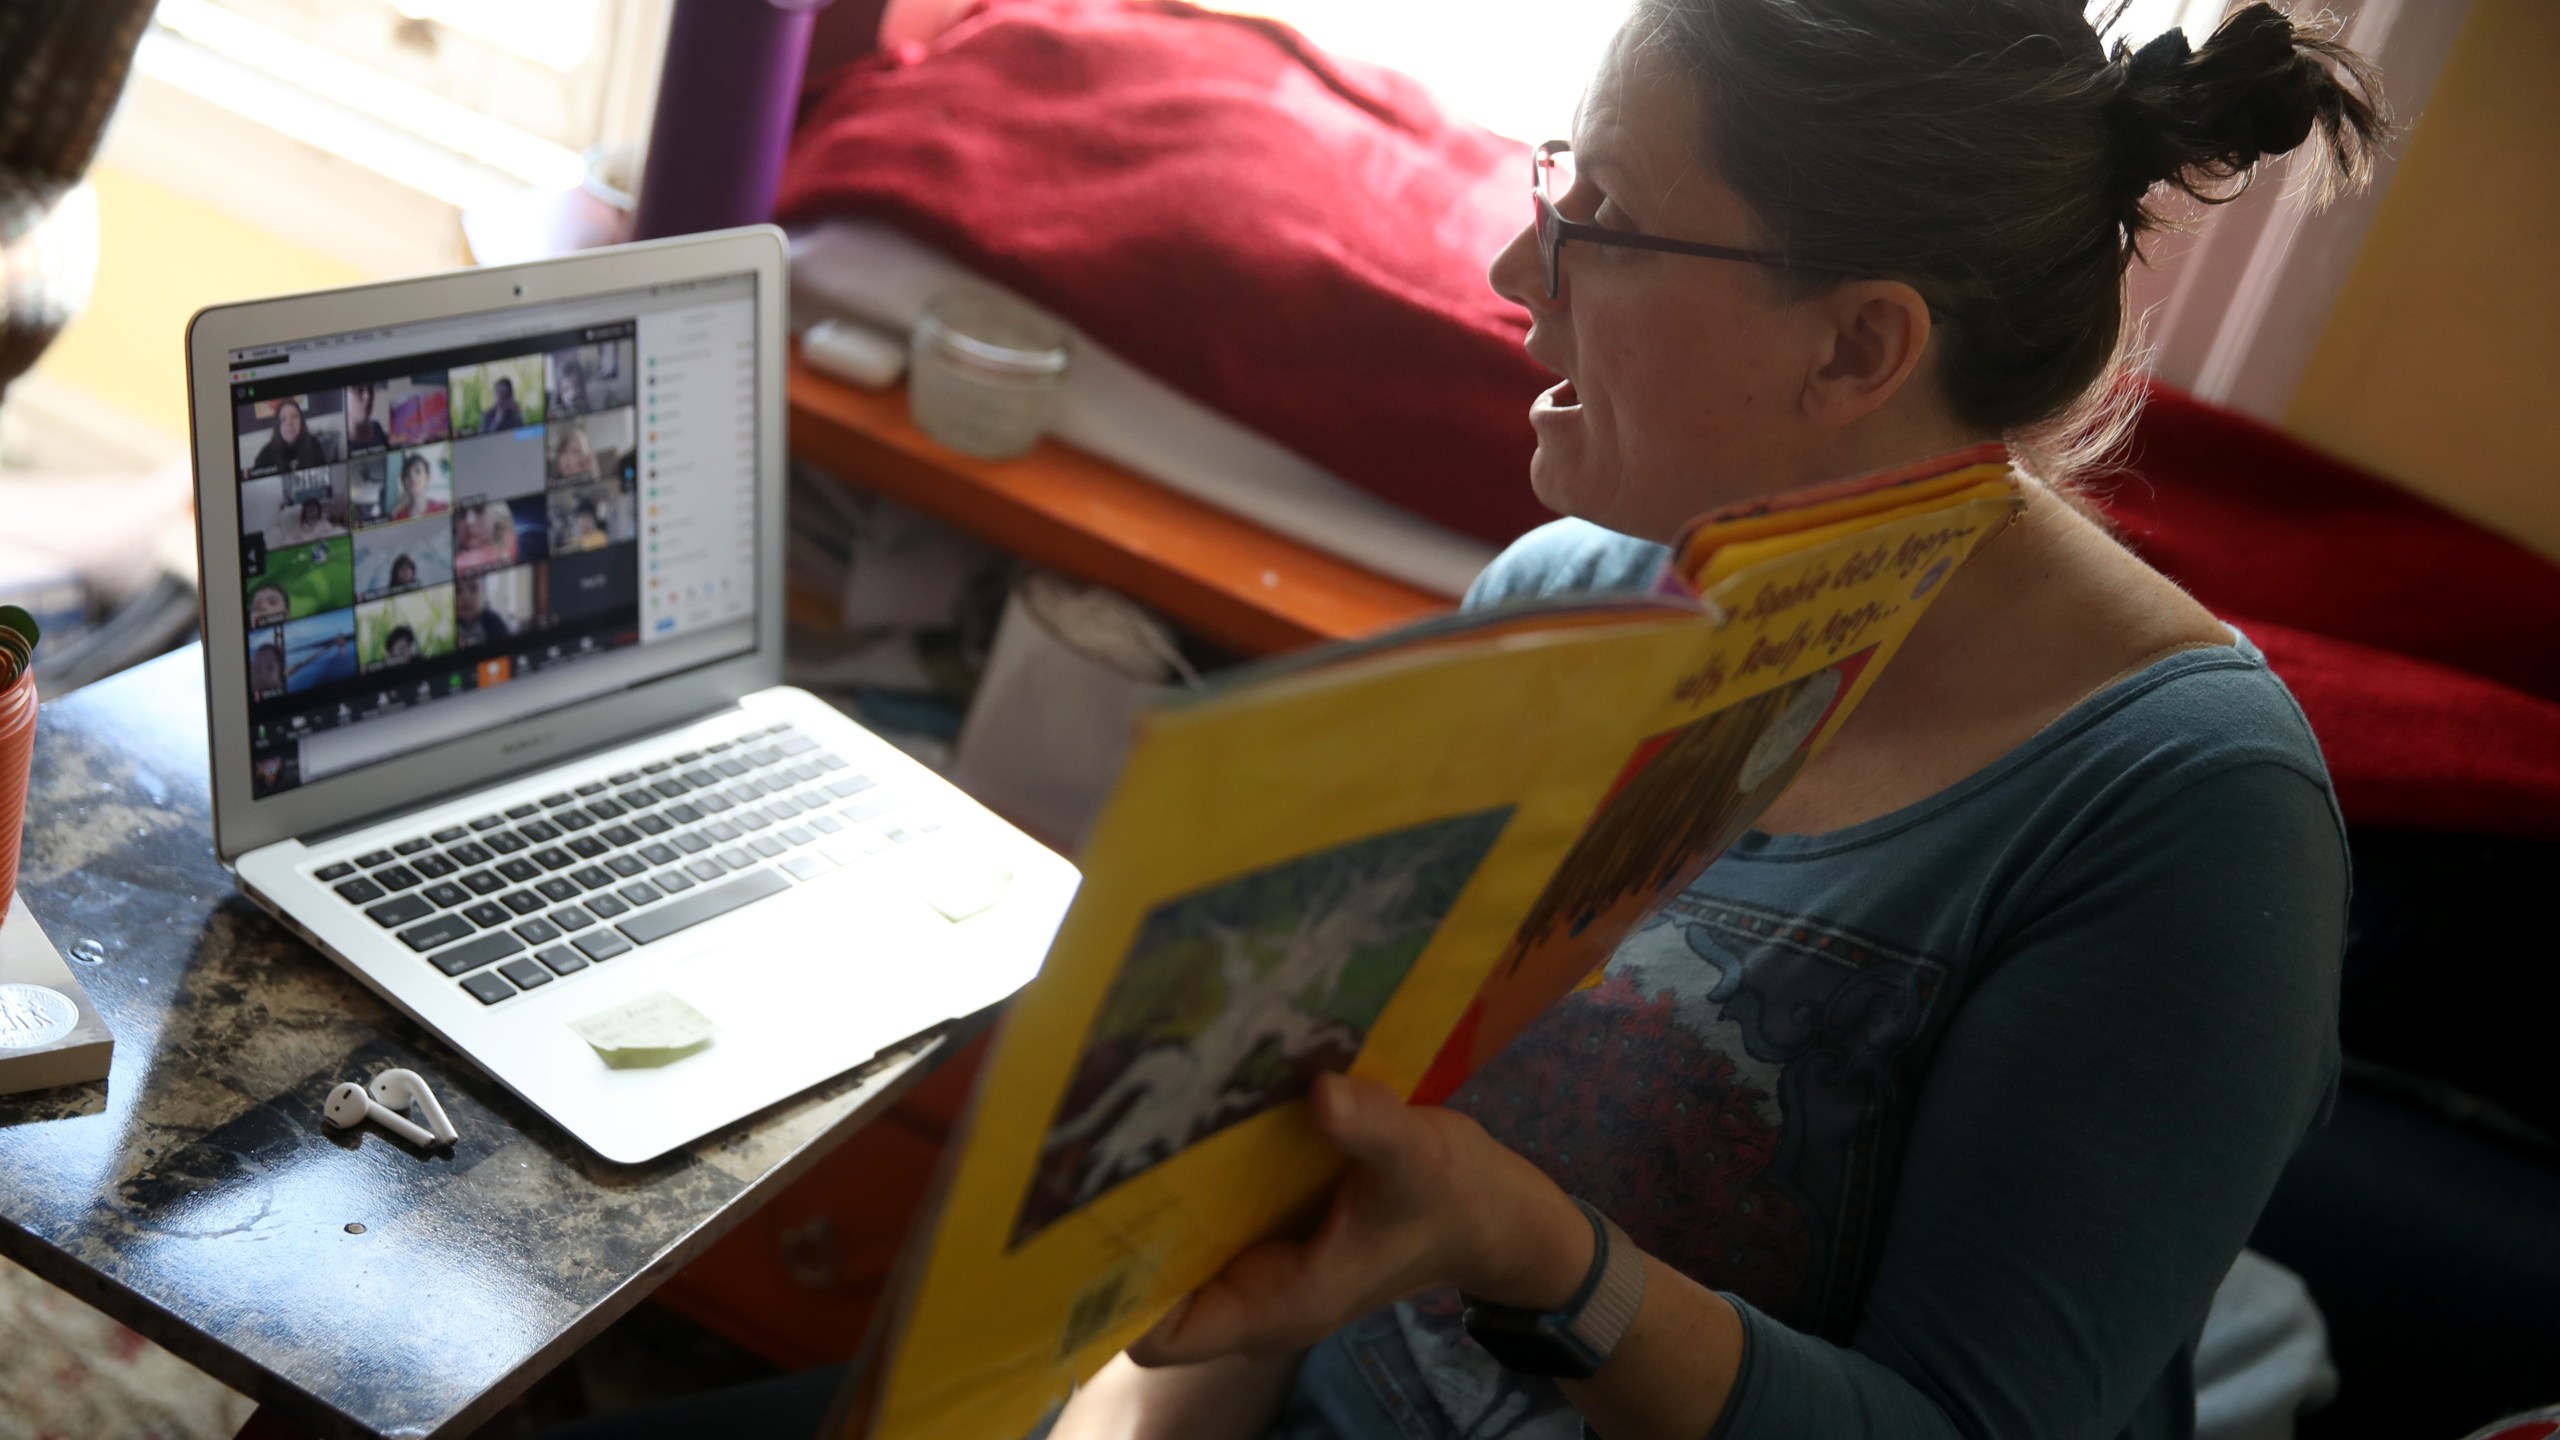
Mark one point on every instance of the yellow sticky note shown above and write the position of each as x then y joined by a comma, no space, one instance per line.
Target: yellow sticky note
958,886
652,1030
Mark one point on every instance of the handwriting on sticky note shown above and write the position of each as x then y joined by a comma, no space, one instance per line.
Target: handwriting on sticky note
958,885
655,1029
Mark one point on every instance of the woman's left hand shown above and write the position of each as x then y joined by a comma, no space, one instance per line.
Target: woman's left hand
1430,1200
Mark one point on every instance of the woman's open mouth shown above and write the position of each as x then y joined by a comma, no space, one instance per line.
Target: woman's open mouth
1559,396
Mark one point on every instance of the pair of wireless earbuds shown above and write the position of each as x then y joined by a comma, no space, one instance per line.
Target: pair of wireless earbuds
392,1091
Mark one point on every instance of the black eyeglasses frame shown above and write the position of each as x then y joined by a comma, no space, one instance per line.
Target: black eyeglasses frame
1554,230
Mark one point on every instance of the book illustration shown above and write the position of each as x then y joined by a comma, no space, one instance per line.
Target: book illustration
1231,1000
1684,796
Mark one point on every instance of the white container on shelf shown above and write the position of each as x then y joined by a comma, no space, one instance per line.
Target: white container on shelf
1072,667
984,372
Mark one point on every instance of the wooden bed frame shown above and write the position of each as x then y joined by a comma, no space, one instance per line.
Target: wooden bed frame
1214,574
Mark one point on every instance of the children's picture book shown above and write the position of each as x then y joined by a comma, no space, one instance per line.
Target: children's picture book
1384,858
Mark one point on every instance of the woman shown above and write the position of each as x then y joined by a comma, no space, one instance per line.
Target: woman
577,459
292,446
1941,1104
484,538
504,413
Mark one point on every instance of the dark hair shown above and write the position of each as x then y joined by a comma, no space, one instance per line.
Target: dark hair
1997,157
417,460
399,633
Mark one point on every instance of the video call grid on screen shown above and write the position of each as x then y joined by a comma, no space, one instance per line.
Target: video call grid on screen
418,527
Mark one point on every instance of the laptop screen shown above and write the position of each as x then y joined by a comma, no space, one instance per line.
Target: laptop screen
466,521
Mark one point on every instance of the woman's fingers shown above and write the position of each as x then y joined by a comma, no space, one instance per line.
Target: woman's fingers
1390,1230
1268,1298
1289,1294
1371,1125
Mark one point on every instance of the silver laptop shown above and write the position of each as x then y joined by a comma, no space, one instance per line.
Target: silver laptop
493,628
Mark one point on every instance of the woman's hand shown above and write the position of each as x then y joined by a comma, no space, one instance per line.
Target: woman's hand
1430,1200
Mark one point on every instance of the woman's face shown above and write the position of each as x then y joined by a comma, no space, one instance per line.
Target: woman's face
289,421
359,404
267,606
470,530
413,479
1679,390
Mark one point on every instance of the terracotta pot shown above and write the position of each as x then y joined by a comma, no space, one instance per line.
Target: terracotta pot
17,757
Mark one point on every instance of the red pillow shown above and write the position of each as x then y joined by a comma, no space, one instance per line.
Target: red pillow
1295,240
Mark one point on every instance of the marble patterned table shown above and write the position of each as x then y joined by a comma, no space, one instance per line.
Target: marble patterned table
350,1285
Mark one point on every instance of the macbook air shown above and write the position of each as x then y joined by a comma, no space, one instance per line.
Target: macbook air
492,576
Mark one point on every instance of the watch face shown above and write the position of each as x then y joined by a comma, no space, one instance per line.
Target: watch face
1530,1343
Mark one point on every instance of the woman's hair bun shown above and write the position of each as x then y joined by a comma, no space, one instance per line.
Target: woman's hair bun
2200,119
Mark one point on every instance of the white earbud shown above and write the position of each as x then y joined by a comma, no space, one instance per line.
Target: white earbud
349,1105
404,1089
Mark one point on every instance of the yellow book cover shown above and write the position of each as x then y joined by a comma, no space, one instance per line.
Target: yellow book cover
1383,858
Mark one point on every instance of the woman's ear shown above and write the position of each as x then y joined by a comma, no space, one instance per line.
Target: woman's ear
1876,333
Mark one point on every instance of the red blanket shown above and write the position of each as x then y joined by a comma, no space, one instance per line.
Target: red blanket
2420,645
1299,242
1295,240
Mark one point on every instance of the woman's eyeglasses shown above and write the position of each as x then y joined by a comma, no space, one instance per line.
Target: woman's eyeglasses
1551,179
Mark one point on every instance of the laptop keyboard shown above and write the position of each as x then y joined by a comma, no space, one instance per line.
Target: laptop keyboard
514,901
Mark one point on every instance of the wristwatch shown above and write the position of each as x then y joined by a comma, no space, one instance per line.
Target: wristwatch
1571,1343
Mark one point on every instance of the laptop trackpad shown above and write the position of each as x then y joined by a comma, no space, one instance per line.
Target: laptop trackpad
793,989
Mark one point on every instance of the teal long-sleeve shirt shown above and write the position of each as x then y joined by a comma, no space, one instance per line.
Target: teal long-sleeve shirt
1968,1108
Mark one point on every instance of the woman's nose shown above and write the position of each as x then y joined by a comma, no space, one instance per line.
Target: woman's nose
1518,274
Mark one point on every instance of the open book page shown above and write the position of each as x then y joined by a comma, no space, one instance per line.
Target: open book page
1384,863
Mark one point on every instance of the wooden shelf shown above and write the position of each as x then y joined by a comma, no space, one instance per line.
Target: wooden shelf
1215,574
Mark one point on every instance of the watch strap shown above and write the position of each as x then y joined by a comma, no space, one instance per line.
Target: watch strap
1576,1338
1614,1291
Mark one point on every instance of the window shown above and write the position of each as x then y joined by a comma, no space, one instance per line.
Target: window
1518,67
462,99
